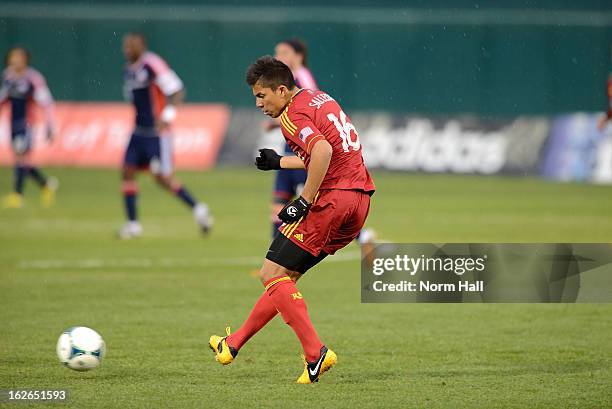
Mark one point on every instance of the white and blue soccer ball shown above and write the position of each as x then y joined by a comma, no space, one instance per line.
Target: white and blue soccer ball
80,348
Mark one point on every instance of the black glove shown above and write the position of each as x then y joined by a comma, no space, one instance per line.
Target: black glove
268,159
294,210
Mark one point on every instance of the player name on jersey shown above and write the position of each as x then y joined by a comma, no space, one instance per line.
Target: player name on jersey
318,100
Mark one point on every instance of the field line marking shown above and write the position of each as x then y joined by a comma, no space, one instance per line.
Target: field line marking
93,263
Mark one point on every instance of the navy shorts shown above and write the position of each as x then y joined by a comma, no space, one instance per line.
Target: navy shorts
150,152
288,184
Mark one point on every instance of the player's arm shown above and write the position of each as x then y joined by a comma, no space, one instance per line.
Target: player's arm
291,162
171,86
42,96
177,98
301,130
320,156
305,135
168,114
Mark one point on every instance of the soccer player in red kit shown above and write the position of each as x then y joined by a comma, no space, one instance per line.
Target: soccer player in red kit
325,218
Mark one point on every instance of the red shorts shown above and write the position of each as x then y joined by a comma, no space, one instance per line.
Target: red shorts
334,220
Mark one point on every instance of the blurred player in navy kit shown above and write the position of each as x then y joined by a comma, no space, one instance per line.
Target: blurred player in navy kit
22,89
155,90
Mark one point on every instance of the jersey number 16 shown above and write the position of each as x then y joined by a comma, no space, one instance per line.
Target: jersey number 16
344,127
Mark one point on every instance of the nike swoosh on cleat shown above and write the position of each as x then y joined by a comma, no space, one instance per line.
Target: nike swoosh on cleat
316,368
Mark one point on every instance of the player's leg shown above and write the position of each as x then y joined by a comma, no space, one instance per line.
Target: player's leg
285,188
200,211
48,185
129,189
21,144
289,301
169,182
350,210
352,228
38,176
262,312
285,258
33,171
284,294
286,255
163,169
14,200
264,309
367,243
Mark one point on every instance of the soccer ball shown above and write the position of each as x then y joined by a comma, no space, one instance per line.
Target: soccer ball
80,348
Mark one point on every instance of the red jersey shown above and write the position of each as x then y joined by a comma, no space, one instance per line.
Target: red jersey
312,116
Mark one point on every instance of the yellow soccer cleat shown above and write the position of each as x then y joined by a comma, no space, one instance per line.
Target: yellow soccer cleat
224,354
12,201
47,194
313,371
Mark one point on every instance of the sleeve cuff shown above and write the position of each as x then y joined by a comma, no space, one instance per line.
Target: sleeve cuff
313,142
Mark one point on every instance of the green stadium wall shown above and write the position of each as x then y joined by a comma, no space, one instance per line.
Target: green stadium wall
435,60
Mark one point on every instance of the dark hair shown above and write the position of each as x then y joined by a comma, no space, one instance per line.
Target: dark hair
138,35
299,46
17,48
270,72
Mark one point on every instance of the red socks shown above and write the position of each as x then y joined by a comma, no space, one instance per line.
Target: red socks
289,302
281,295
263,311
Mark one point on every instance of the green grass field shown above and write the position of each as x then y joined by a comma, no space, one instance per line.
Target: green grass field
157,300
